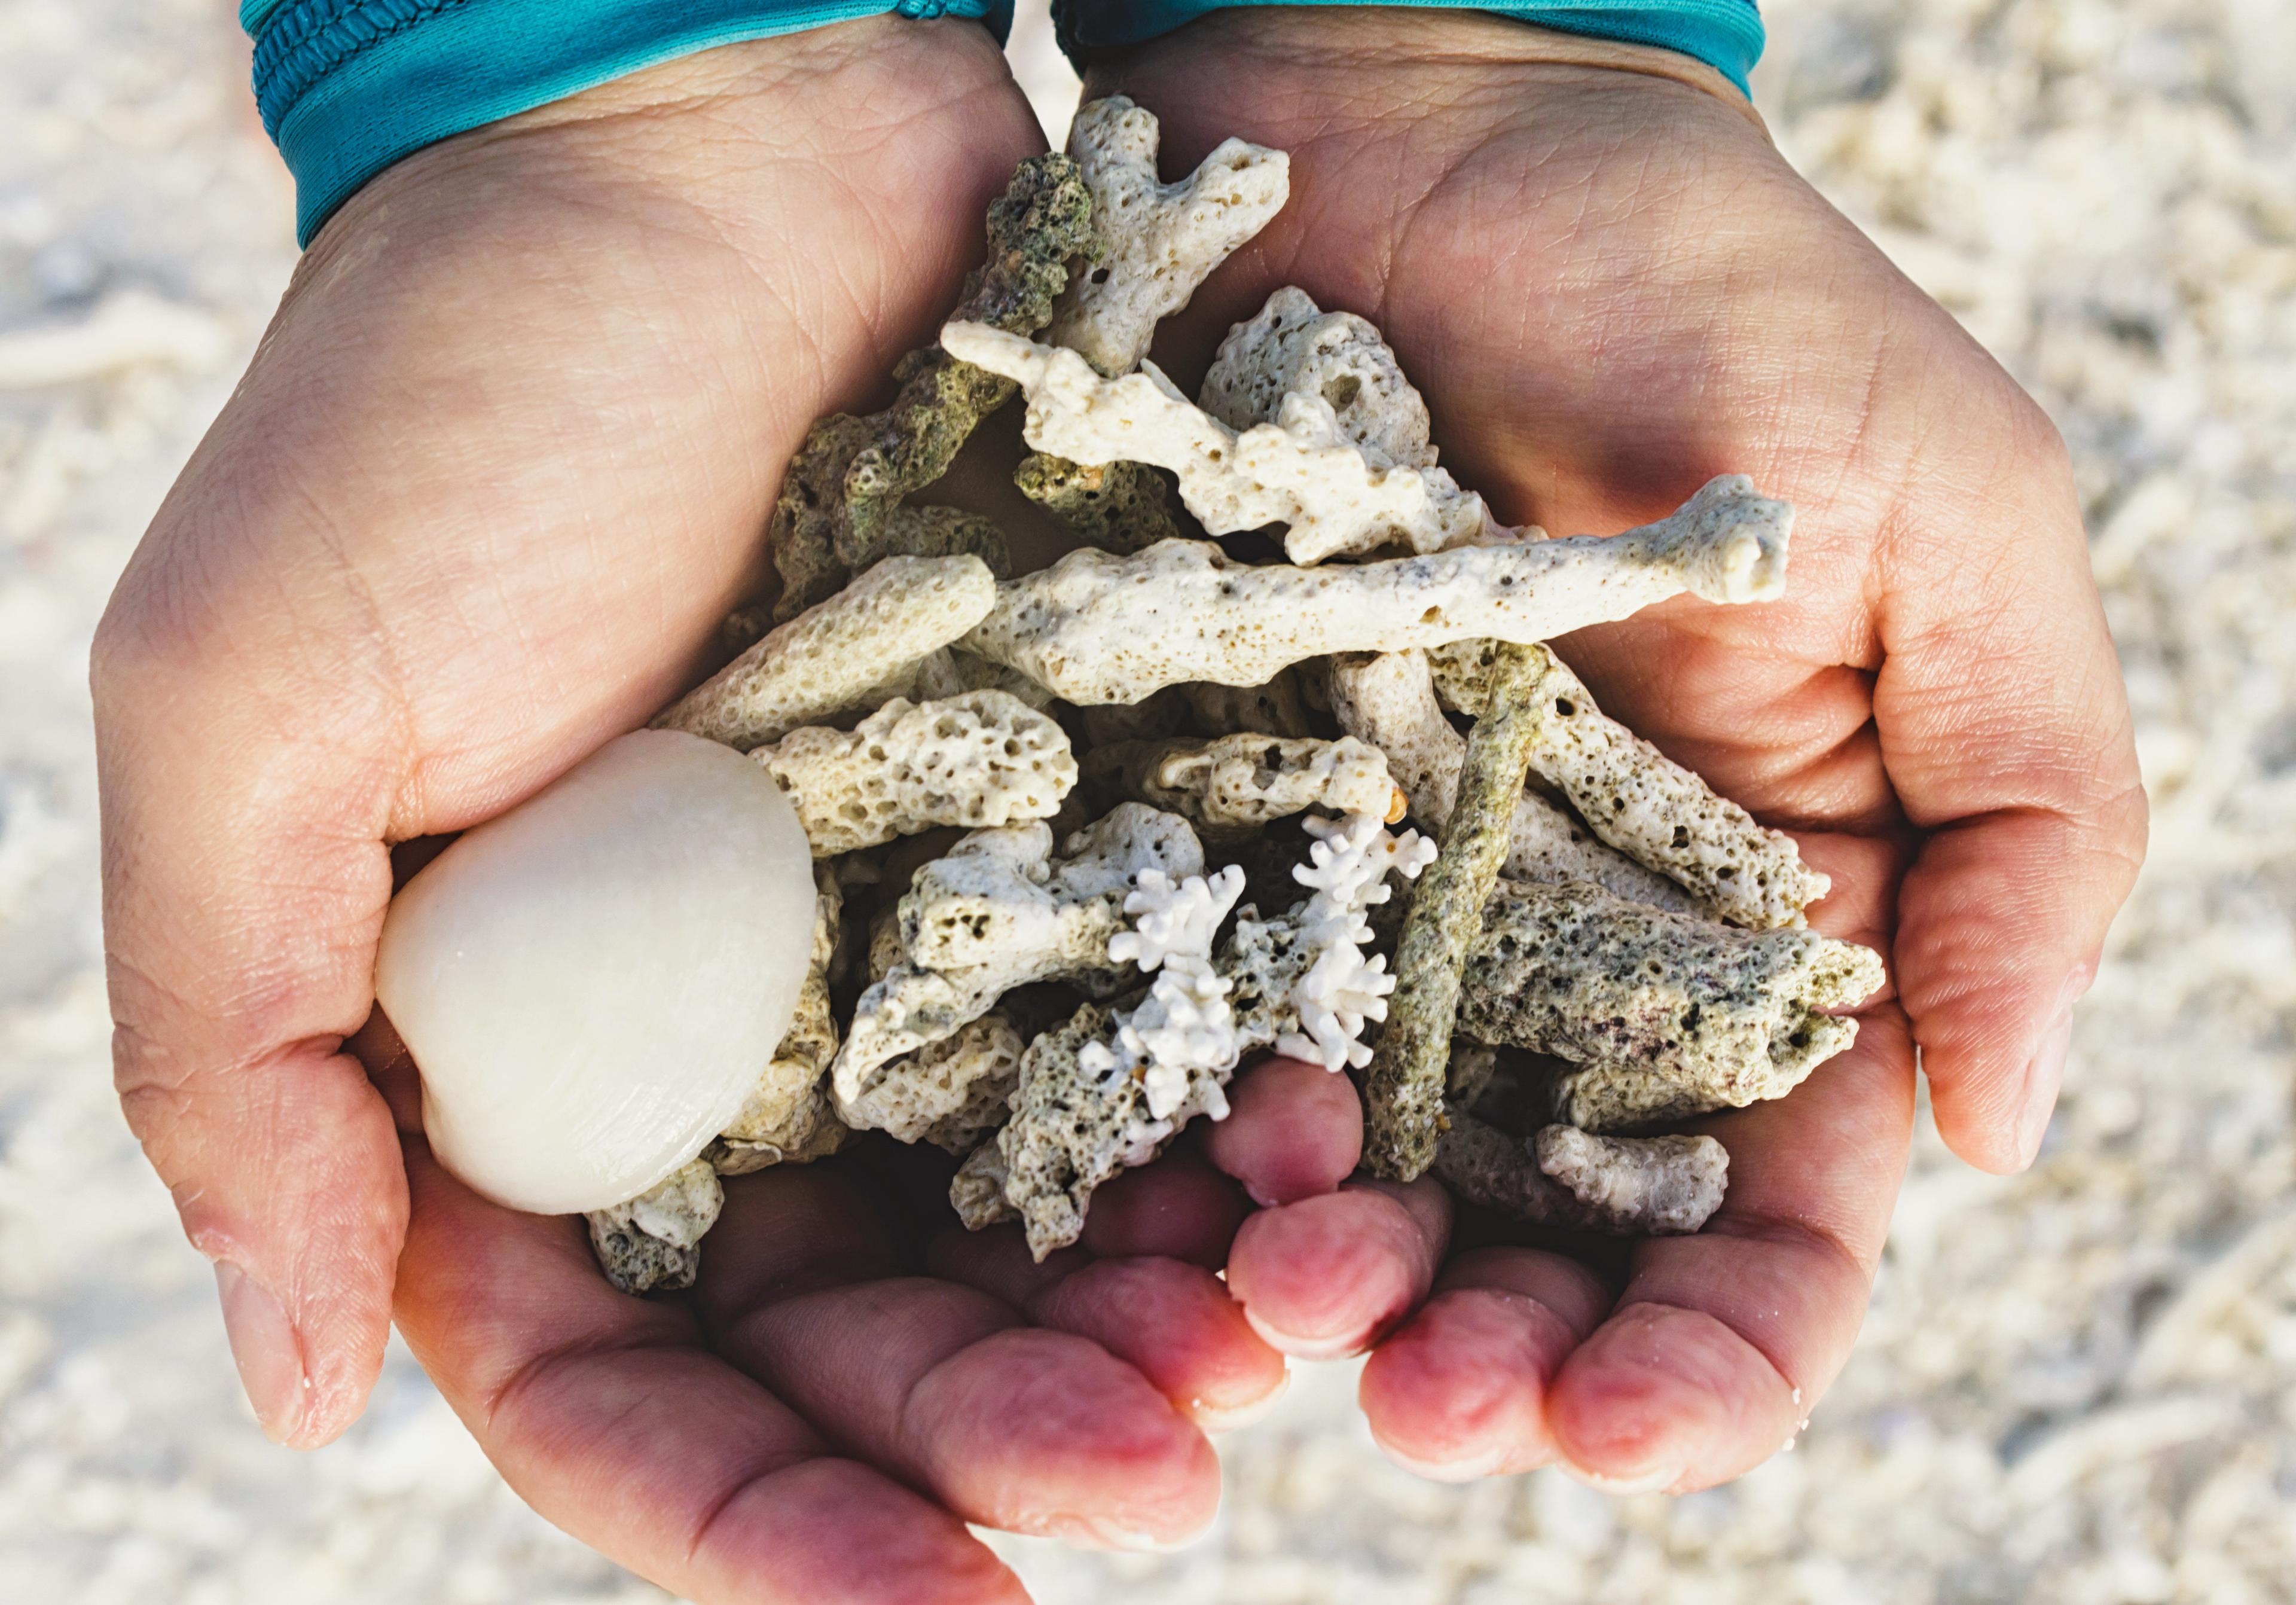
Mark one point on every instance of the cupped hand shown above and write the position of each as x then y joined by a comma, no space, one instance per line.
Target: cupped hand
1610,287
496,472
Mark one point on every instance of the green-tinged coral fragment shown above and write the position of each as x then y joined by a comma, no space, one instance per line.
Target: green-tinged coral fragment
1664,1016
1119,507
841,506
1404,1091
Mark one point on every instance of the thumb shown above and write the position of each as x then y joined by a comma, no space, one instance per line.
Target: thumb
245,880
2006,733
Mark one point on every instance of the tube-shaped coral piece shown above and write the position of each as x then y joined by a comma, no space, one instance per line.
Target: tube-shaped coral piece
840,507
981,758
654,1240
788,1118
1620,1186
1403,1096
1293,345
1239,783
1389,700
1098,628
1116,506
1162,240
995,912
1661,815
1300,469
836,657
1665,1017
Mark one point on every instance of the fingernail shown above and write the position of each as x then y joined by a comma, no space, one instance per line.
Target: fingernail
1214,1418
1297,1348
263,1347
1641,1482
2045,1075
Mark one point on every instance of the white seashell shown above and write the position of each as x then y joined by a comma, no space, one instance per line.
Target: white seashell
591,983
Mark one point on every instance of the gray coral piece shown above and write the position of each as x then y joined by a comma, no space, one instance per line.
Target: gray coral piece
1274,709
654,1240
999,912
978,758
1099,628
1664,1017
1389,700
1645,804
1619,1186
1116,506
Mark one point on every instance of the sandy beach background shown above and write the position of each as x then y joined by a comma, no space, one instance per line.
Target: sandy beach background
2077,1385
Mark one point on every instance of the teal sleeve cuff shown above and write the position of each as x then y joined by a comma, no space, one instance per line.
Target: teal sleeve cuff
1726,35
346,87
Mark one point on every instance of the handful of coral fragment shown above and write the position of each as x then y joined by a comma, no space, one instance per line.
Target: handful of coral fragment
1088,837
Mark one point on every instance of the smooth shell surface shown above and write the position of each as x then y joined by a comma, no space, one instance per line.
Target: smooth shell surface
591,982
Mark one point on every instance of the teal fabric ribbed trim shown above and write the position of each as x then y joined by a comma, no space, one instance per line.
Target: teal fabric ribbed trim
1726,35
346,87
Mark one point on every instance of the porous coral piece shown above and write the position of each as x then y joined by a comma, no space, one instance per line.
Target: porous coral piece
997,912
1098,628
1661,815
1162,240
788,1118
1661,1186
1389,700
1664,1017
1239,783
1620,1186
654,1240
1071,1131
980,759
977,1190
1293,345
1300,469
952,1092
1342,990
1116,506
840,507
1403,1097
838,656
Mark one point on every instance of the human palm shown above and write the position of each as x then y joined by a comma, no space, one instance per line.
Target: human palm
1611,288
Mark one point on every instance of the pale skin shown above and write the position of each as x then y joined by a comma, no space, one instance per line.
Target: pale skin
499,470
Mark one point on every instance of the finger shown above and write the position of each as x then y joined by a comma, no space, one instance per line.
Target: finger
2007,734
1036,1431
1177,1324
1173,1322
606,1414
1722,1342
1179,1207
1293,1130
1327,1276
244,886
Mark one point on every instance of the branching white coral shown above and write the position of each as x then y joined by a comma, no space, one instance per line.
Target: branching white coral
997,911
853,651
1389,700
1162,240
1300,469
1342,989
1182,1031
1096,627
978,758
